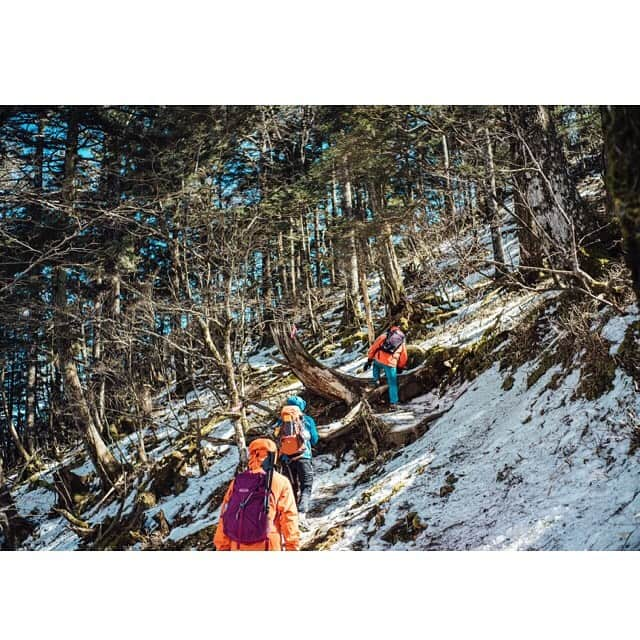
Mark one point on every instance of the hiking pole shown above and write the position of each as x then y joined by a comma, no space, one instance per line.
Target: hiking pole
288,472
294,478
268,464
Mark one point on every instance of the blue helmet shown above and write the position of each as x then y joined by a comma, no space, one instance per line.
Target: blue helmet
297,402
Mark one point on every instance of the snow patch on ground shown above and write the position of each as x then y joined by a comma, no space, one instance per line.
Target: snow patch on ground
263,360
193,505
614,331
541,472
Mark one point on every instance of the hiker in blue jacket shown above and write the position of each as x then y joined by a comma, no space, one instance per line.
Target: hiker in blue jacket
299,468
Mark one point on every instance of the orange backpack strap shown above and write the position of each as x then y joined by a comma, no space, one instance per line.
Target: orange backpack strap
291,412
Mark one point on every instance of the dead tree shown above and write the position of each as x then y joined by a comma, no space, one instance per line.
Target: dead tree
324,381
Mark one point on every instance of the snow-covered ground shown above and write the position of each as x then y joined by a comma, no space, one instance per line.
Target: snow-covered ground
516,468
532,470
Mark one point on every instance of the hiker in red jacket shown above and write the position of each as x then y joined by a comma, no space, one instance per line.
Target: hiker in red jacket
282,528
389,354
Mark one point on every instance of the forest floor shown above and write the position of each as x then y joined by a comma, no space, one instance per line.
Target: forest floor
534,452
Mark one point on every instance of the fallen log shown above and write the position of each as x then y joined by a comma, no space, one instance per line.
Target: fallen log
331,384
372,429
339,427
360,393
396,434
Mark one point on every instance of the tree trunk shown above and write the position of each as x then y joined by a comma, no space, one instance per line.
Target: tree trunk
352,315
621,126
318,249
106,465
144,401
226,364
334,196
332,263
364,289
326,382
315,327
292,261
330,218
104,462
99,378
184,384
15,436
529,242
393,287
239,421
31,397
547,188
31,402
58,419
391,282
268,296
282,269
449,201
493,210
107,312
180,333
306,274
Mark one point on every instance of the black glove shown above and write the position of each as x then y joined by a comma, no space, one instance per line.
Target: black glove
367,366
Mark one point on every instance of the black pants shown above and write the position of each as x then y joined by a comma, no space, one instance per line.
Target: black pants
300,473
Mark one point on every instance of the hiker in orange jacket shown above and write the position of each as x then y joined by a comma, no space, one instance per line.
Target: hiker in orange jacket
389,354
295,454
283,514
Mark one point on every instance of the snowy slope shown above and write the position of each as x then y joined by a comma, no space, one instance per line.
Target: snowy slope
516,468
503,469
533,472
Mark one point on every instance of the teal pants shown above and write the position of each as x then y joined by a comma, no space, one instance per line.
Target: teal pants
391,375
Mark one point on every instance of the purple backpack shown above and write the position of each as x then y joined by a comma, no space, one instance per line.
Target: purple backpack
246,518
393,341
